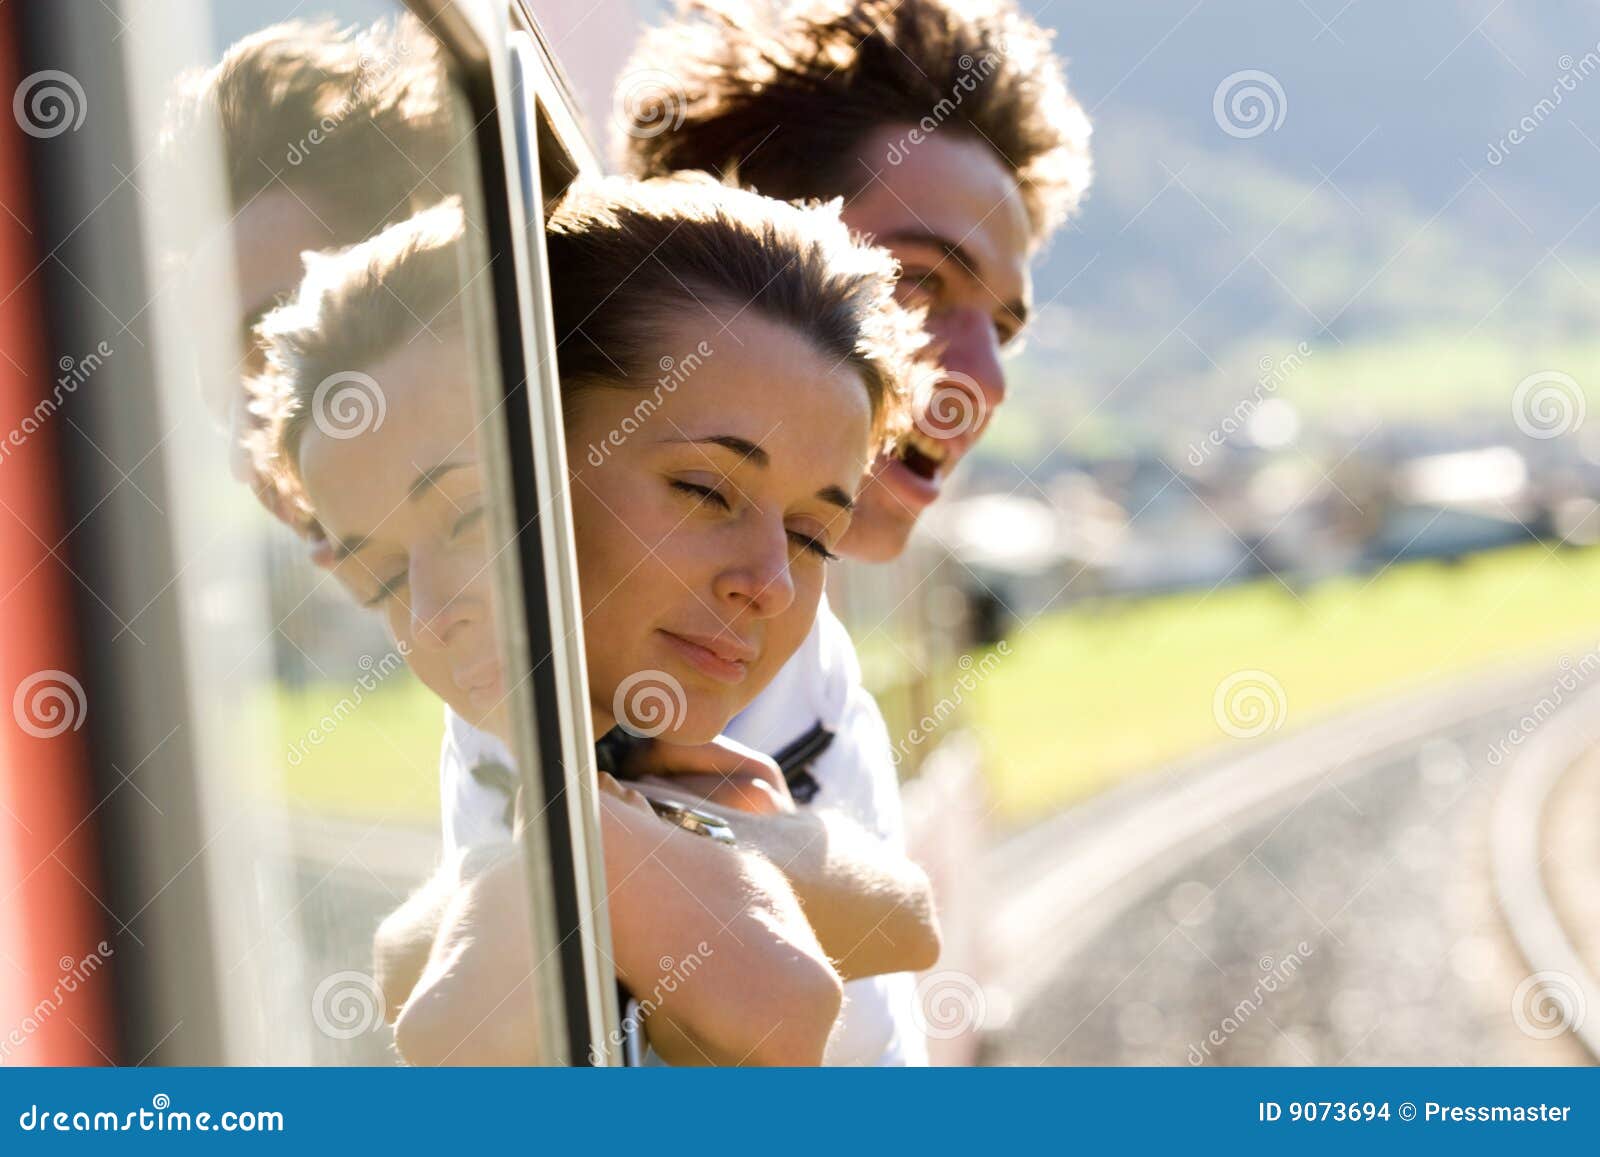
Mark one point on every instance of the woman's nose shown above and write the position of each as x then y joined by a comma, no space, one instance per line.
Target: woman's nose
438,591
759,578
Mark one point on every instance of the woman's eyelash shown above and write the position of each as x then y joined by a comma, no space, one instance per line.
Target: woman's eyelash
704,493
813,545
386,591
467,521
803,541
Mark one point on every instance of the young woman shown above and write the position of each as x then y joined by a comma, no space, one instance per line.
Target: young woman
729,366
706,503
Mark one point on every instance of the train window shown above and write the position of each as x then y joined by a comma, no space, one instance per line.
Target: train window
316,505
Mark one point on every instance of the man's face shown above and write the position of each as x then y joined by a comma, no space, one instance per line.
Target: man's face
951,213
269,235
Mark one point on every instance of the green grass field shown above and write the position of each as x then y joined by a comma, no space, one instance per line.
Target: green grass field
1098,692
1095,693
381,762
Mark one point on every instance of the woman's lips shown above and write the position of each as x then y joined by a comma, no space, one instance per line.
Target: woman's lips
725,662
481,684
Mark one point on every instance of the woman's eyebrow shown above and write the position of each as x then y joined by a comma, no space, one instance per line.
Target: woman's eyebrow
429,478
743,447
343,548
836,496
748,450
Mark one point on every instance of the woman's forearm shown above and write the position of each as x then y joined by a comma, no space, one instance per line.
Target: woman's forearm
711,940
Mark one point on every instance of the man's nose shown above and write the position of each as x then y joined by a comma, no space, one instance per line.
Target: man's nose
970,358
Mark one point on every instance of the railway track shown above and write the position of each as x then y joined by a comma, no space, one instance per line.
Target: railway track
1370,890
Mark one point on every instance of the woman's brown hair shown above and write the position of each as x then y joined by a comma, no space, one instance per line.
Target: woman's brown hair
627,259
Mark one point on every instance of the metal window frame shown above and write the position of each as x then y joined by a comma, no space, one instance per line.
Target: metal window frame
177,977
551,150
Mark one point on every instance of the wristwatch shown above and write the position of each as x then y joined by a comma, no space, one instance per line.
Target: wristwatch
693,820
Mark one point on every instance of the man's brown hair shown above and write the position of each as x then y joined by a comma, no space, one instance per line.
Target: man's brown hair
782,99
352,120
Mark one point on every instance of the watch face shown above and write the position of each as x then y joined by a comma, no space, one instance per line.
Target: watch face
666,809
694,821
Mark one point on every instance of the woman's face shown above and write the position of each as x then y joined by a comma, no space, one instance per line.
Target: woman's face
705,505
403,503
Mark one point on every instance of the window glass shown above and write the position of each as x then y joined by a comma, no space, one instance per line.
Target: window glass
336,455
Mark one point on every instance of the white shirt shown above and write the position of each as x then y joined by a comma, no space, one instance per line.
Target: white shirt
856,777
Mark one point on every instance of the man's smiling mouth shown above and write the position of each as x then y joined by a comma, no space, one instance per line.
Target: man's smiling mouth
922,455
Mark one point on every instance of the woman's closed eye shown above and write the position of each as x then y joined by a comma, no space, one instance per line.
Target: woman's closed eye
709,495
387,590
702,494
812,545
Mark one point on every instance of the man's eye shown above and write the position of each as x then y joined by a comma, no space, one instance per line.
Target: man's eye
701,493
812,546
925,283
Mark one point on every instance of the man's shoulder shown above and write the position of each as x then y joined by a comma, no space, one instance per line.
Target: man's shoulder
812,687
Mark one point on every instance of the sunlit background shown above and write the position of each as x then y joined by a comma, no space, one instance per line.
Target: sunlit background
1280,540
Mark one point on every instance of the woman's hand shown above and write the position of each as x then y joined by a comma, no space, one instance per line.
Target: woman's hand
721,772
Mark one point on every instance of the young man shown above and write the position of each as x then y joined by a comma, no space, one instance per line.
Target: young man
329,134
947,128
